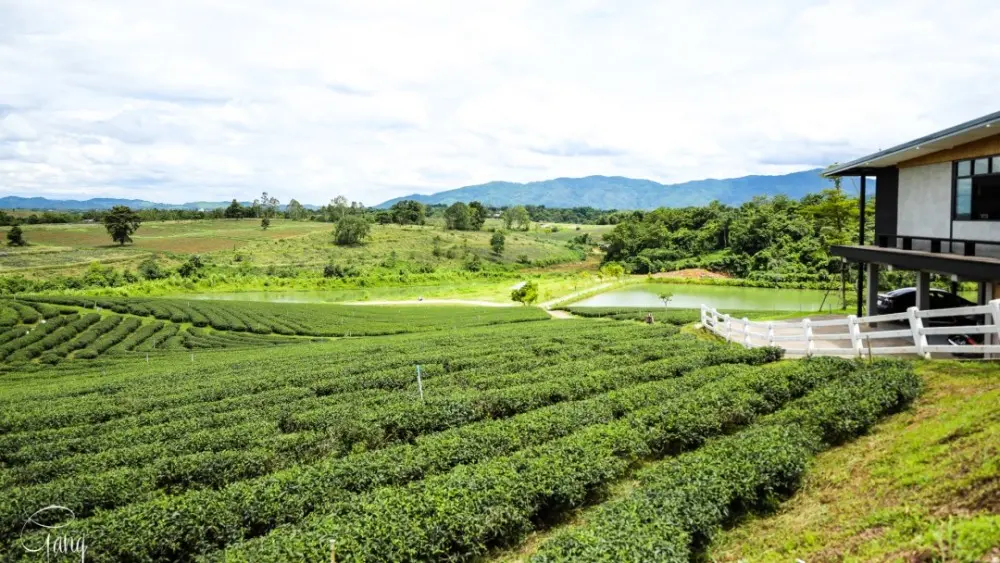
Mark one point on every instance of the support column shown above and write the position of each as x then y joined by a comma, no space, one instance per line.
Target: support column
860,292
872,303
862,197
923,291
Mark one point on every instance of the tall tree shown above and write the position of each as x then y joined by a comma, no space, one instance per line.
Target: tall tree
338,207
477,215
121,223
518,216
408,212
497,242
457,217
295,210
235,210
268,205
351,230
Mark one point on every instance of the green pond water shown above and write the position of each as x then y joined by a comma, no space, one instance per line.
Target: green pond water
720,297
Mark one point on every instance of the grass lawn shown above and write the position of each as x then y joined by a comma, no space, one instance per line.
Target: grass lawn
923,486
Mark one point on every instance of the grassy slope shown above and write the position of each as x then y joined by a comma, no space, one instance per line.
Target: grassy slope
65,249
925,485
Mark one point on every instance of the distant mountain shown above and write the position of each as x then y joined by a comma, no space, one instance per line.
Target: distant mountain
41,203
616,192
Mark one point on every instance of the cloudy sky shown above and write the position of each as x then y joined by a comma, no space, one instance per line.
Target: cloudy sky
194,100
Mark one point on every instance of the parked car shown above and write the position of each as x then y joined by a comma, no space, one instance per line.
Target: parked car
899,300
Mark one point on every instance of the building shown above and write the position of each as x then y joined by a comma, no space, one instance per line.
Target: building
937,210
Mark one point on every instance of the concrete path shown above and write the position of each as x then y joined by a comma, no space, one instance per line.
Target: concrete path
550,303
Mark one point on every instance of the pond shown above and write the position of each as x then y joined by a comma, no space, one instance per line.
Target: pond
724,298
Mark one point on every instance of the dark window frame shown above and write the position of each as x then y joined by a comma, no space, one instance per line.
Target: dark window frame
991,171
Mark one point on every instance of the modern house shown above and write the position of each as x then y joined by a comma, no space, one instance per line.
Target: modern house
937,210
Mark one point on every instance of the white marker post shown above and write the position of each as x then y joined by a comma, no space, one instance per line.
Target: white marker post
420,384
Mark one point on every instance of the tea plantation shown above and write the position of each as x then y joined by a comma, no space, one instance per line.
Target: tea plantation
51,329
291,452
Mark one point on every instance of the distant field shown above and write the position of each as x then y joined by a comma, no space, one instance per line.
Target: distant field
186,237
68,249
413,244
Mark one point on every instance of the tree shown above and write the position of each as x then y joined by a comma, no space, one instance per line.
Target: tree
150,269
477,215
15,237
516,215
234,211
613,270
121,222
526,294
457,217
338,207
497,242
408,212
191,268
265,222
666,297
295,211
351,230
268,205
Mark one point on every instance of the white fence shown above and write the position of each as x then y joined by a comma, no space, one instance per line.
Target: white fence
859,336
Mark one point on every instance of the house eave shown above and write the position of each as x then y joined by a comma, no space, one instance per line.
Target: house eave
945,139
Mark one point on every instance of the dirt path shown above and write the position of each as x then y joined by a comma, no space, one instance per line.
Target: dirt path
557,314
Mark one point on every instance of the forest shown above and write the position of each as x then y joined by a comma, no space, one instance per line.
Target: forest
768,239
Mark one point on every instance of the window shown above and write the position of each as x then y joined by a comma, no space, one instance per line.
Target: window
977,189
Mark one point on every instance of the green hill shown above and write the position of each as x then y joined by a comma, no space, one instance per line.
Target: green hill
616,192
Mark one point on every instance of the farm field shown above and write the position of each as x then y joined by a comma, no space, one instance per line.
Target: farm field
296,246
269,454
52,329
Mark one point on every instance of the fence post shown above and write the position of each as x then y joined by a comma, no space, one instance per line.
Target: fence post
729,327
995,313
916,326
854,328
746,333
704,315
808,331
770,333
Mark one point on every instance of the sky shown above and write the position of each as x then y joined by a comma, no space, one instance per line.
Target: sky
209,100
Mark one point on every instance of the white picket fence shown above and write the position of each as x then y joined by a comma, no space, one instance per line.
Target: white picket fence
800,338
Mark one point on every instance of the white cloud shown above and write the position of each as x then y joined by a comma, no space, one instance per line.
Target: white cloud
212,99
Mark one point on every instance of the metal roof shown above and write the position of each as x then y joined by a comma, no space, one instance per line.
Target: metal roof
960,134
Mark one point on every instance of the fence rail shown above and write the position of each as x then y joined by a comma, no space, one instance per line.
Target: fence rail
861,335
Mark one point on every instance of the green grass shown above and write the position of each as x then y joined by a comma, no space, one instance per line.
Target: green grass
923,486
299,245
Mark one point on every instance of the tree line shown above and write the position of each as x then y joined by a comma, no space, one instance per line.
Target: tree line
768,238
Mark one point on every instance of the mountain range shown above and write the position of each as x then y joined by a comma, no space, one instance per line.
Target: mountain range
600,192
617,192
16,202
